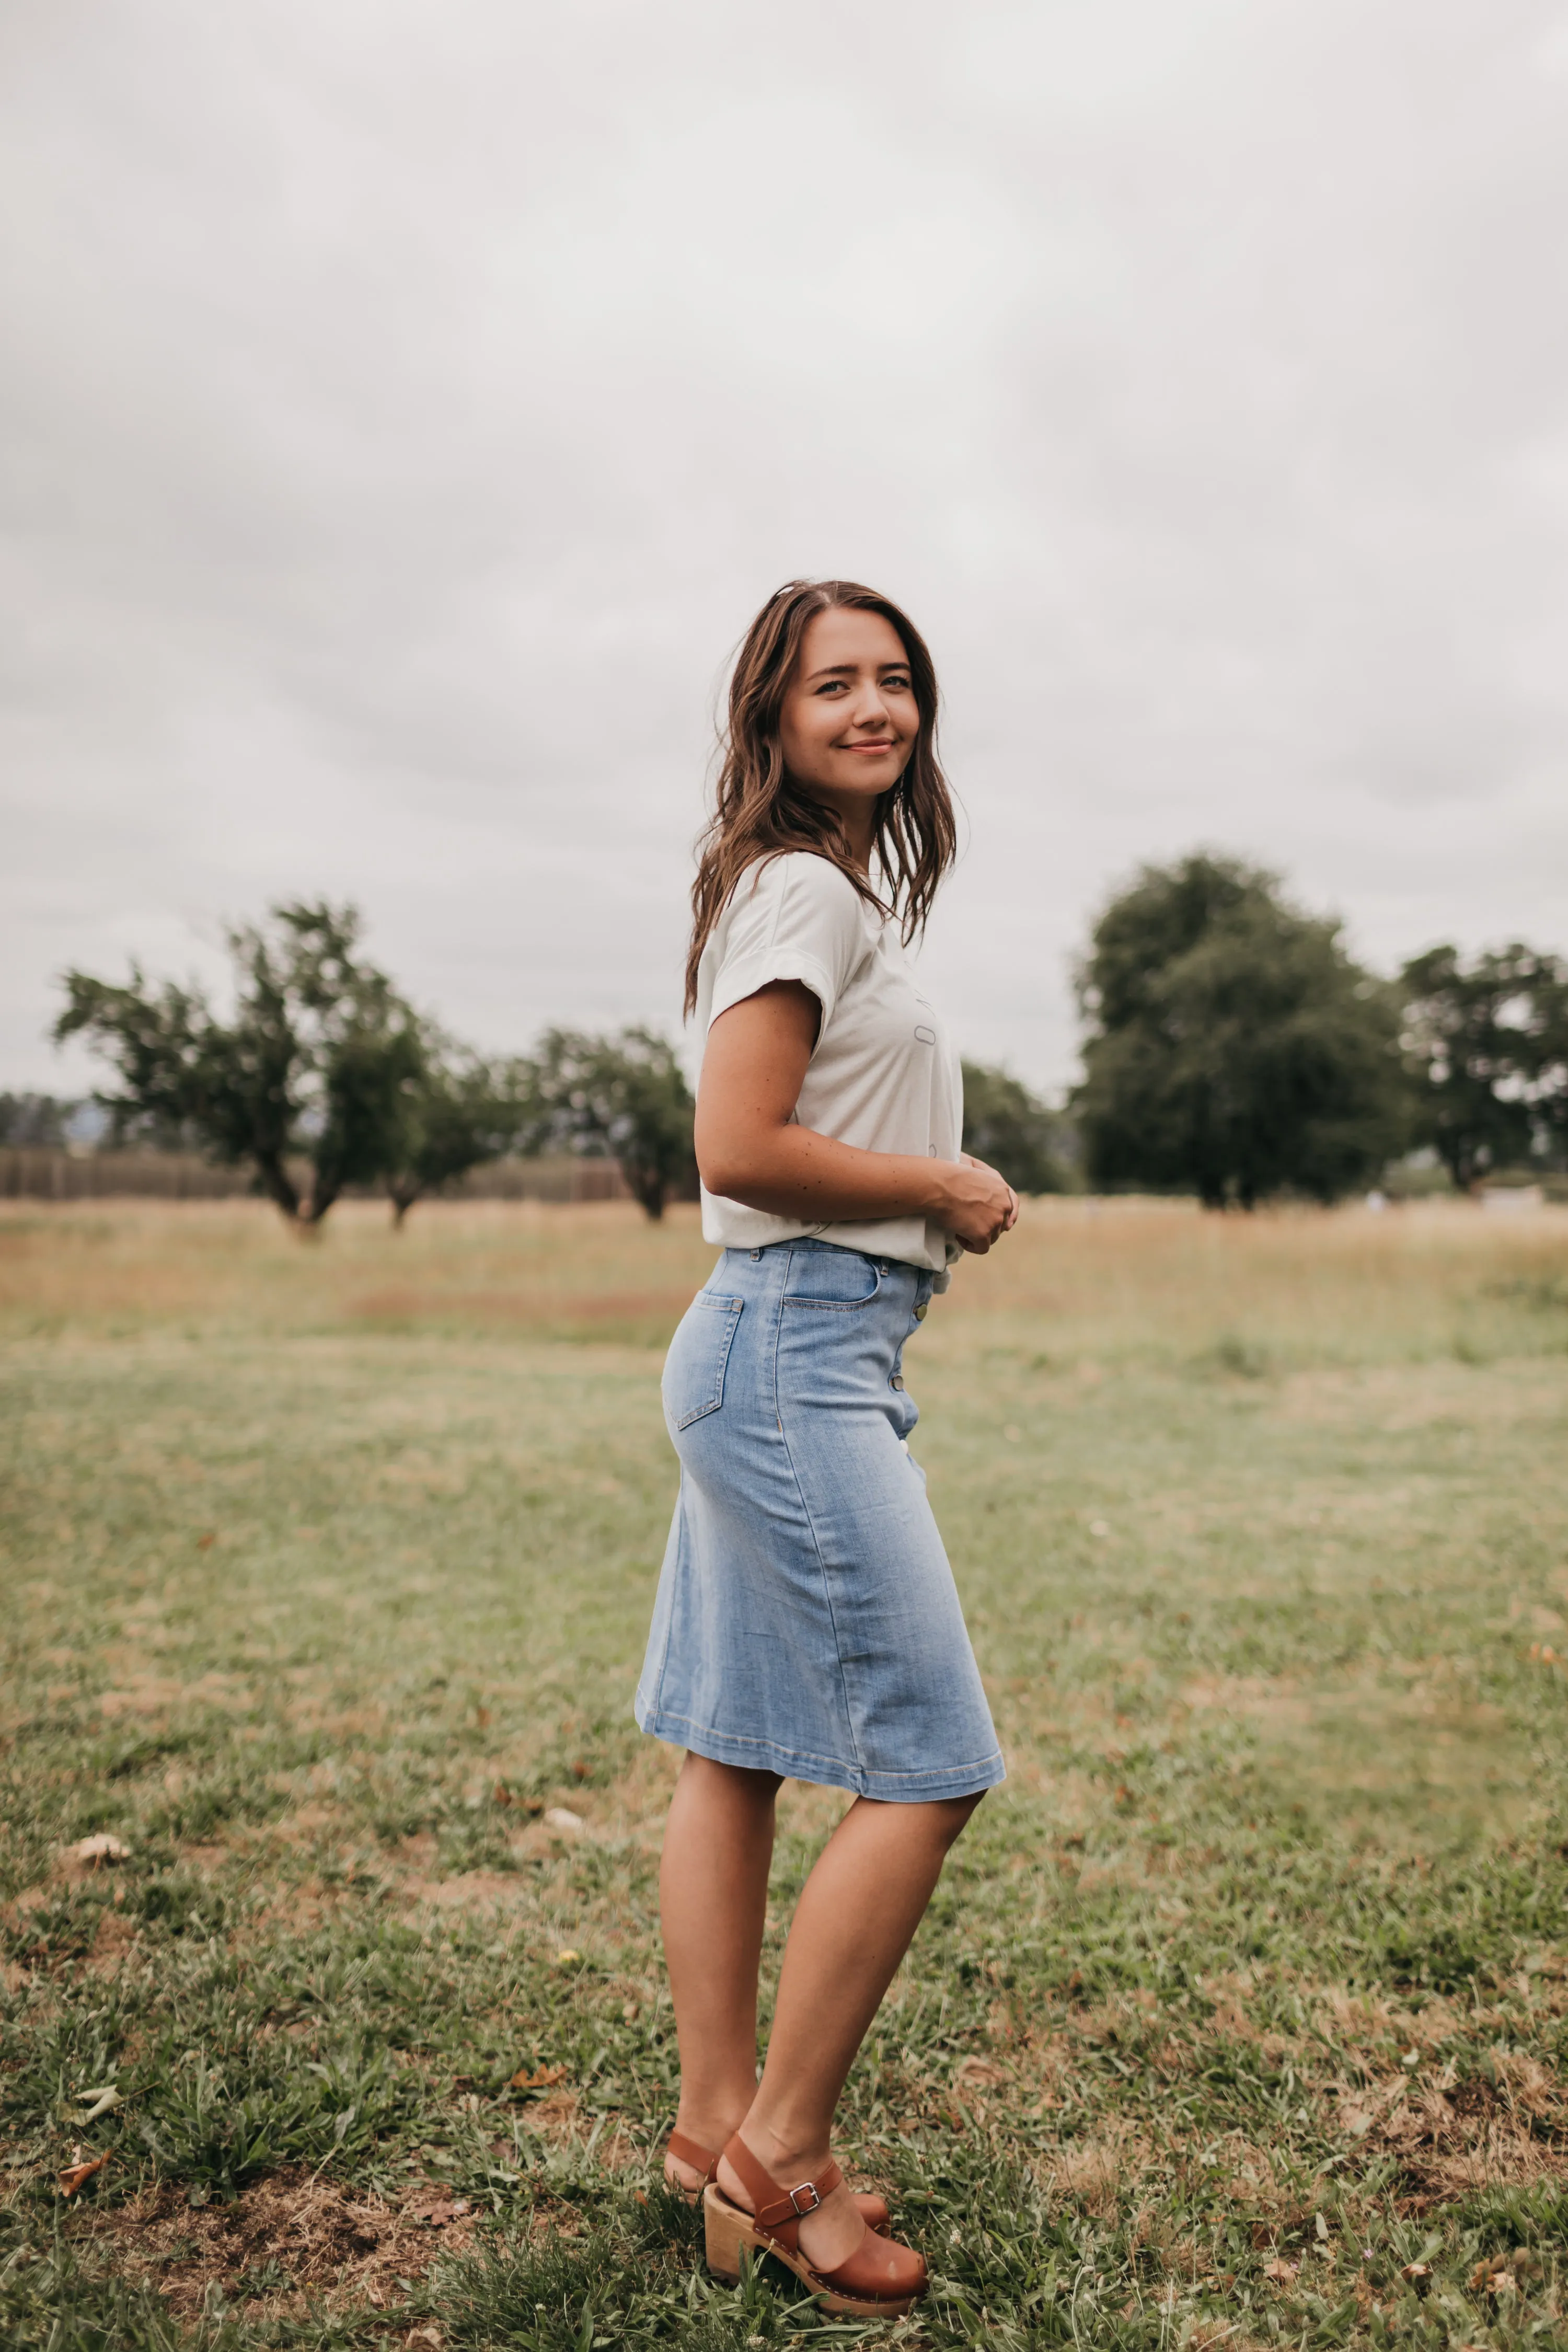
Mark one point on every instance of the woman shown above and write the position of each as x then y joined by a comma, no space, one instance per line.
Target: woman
807,1624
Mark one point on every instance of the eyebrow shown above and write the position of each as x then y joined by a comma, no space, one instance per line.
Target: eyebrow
850,669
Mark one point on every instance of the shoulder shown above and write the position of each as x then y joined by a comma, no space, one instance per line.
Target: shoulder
796,882
790,916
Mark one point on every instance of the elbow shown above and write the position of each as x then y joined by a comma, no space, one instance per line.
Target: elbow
742,1159
727,1157
742,1166
730,1175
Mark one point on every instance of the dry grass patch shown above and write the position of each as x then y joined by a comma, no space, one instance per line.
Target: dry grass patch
285,2243
1096,2174
1506,2127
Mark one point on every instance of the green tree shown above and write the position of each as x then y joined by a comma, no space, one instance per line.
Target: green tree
462,1111
322,1060
35,1122
623,1097
1011,1130
1233,1048
1488,1045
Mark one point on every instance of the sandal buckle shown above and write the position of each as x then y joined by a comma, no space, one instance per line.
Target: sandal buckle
807,2189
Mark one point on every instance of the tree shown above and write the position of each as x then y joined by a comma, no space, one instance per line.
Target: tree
323,1059
1235,1049
35,1122
1011,1130
1488,1045
623,1096
462,1111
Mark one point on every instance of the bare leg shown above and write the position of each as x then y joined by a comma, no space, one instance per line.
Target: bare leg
713,1899
853,1925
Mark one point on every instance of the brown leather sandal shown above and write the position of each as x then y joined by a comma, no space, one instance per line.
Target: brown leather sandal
702,2159
882,2279
873,2208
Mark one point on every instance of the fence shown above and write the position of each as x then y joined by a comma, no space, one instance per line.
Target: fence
565,1178
38,1175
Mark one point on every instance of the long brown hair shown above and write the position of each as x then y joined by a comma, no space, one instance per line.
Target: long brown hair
761,812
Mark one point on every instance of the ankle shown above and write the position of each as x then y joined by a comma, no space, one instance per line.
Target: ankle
788,2149
711,2119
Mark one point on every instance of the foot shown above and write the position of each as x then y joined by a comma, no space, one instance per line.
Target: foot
829,2236
680,2174
689,2180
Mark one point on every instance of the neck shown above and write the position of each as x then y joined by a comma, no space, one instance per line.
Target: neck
859,839
858,823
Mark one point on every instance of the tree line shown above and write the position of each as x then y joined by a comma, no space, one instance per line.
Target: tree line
1233,1048
325,1068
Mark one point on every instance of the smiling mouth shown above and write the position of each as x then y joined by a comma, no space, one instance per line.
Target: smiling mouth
885,745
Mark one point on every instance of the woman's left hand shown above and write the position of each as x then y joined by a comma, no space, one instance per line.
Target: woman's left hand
1010,1218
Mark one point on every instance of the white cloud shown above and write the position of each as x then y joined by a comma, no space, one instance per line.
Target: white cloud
407,407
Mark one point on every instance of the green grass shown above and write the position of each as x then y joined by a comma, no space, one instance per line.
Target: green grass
326,1577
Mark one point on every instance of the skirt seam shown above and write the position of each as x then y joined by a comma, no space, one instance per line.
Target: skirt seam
811,1523
669,1621
852,1777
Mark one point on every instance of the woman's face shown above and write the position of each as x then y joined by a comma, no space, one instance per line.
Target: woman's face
849,720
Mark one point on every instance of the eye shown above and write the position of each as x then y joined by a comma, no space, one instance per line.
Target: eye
833,686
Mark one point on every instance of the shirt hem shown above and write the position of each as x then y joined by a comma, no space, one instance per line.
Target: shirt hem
761,970
727,1225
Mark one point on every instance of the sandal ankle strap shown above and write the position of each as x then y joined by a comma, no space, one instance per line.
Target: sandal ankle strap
774,2207
685,2150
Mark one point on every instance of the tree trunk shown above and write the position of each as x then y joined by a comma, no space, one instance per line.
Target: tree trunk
649,1189
312,1216
278,1185
403,1197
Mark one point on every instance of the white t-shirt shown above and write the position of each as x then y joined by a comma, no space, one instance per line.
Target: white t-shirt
882,1073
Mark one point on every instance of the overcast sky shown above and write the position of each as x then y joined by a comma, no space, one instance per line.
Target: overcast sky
404,408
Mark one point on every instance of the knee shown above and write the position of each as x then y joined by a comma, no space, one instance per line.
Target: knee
732,1784
953,1815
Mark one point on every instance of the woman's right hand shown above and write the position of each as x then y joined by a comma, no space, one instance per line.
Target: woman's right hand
978,1206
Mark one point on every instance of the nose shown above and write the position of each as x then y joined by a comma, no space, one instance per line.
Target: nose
870,710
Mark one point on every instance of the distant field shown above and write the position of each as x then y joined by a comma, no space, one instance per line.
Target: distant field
1241,2017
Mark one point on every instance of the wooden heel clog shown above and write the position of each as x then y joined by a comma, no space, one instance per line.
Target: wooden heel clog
882,2279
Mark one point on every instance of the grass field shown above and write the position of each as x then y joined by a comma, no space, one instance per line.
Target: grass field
1241,2015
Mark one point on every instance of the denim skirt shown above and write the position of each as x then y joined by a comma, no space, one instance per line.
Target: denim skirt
806,1622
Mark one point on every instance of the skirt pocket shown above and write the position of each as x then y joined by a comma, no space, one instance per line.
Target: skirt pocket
839,1281
693,1384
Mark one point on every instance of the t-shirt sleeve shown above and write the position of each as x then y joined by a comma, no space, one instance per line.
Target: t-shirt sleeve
797,918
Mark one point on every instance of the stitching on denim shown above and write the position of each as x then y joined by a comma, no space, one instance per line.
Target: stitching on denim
815,1543
733,1309
834,1306
840,1306
669,1621
772,1360
807,1756
740,1739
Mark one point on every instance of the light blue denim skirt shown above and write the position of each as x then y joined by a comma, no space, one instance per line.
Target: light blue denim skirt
806,1622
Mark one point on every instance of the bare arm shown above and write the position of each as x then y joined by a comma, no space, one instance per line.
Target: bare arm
748,1149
